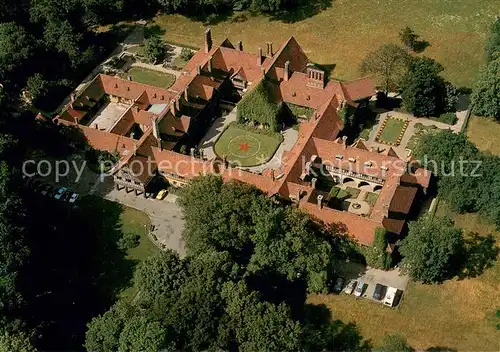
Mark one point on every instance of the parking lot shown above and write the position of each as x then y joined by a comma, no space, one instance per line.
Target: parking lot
371,277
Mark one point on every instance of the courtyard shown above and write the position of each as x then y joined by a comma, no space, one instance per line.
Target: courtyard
106,117
151,77
243,147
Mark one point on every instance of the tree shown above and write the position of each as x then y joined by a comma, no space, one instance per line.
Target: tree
160,275
171,6
154,49
19,342
37,87
433,249
16,46
421,88
485,97
450,97
141,333
389,63
409,38
492,46
395,343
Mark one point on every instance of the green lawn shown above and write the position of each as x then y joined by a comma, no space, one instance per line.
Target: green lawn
243,147
154,78
458,314
371,198
420,130
133,220
391,130
484,132
343,33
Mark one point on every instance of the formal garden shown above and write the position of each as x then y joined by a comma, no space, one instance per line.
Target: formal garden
392,130
244,146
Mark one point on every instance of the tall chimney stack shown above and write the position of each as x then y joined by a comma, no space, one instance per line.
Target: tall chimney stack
287,71
172,107
240,45
198,70
320,201
270,49
344,141
186,95
208,40
259,56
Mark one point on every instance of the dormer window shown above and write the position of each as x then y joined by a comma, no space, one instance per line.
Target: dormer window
294,94
339,157
368,163
385,168
352,160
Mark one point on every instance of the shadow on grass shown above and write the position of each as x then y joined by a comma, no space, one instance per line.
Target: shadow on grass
481,254
324,334
421,45
76,269
302,11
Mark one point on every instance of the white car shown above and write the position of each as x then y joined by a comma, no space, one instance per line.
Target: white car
390,296
60,192
358,292
74,197
351,286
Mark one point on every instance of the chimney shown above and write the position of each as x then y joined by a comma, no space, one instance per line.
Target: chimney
298,194
72,97
191,151
270,49
198,70
210,62
263,70
315,78
208,40
313,182
135,149
272,174
186,96
178,103
172,107
320,201
156,132
129,77
344,141
259,56
96,126
287,71
240,45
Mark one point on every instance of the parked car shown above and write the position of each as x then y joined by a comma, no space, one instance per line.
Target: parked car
358,292
351,285
60,192
161,194
390,296
379,292
74,197
339,283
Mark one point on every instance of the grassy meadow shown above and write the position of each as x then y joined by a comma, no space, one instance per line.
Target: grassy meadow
342,32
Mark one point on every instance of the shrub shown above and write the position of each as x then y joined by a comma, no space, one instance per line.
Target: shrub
186,54
128,241
449,118
376,255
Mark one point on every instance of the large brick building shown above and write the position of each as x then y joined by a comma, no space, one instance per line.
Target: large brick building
154,120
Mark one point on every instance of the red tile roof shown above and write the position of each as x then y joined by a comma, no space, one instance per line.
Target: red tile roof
403,199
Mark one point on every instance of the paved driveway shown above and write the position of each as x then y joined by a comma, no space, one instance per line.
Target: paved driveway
166,216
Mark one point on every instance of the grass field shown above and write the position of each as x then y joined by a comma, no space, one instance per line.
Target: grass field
154,78
246,148
484,132
135,221
391,131
371,198
345,31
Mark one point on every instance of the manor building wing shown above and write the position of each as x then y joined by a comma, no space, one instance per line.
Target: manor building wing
141,122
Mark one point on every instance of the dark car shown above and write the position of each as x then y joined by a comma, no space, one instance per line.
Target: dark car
339,284
379,292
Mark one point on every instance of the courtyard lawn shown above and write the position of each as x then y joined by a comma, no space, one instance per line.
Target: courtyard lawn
484,132
456,315
343,32
420,130
371,198
391,131
154,78
246,148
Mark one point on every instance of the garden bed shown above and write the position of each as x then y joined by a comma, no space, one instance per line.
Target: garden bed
392,131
